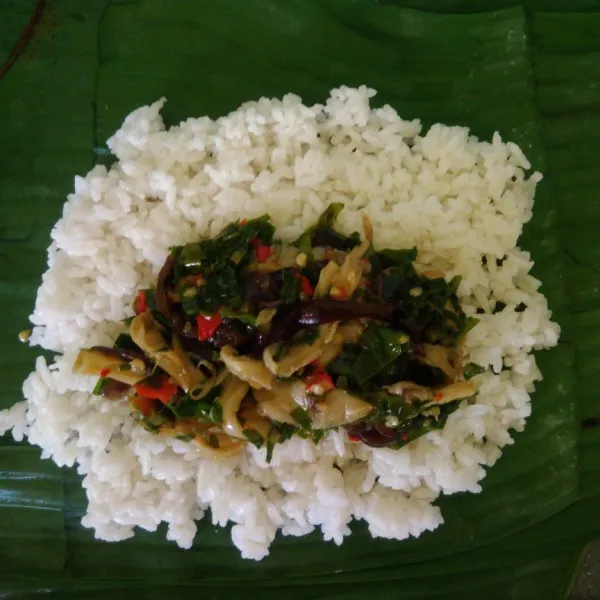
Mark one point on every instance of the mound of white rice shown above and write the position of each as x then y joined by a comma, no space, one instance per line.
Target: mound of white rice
457,199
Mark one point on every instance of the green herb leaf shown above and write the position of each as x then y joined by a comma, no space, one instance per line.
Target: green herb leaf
400,260
343,363
423,424
286,431
150,295
469,324
216,413
213,255
380,346
290,288
323,234
125,342
254,437
270,448
97,391
391,405
219,289
244,317
471,370
302,417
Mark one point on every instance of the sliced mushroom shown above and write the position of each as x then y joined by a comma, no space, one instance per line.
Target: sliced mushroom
346,333
277,403
146,333
330,351
265,316
184,427
234,390
214,379
255,422
338,407
301,397
349,276
441,357
210,440
411,392
300,355
326,276
452,392
247,369
215,444
351,331
94,362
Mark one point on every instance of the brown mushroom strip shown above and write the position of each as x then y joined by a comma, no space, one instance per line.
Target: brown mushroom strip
162,289
93,362
146,333
247,369
338,407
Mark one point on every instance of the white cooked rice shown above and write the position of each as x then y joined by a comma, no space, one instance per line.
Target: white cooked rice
456,198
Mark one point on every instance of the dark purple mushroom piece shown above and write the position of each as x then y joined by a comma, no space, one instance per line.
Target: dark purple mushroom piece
113,389
163,303
290,319
122,353
376,436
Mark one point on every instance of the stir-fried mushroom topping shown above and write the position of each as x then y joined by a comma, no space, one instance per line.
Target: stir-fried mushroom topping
95,362
171,358
443,358
247,369
298,356
248,340
277,404
338,407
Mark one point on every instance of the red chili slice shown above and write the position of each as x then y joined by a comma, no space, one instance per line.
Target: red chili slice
322,380
143,404
307,288
207,325
164,393
139,304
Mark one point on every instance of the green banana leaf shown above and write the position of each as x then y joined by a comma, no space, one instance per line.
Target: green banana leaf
529,70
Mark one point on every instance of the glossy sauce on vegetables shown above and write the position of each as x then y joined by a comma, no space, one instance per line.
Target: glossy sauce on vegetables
245,339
